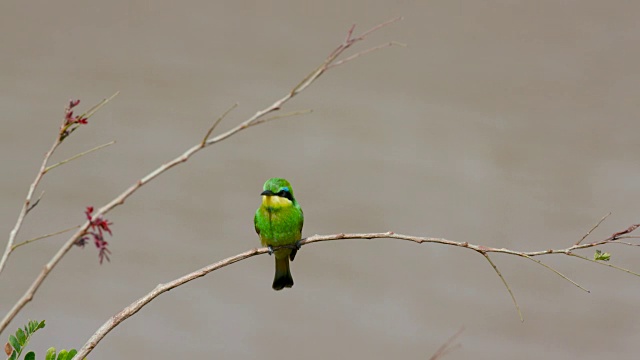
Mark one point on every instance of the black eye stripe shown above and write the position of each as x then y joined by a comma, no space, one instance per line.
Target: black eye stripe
285,194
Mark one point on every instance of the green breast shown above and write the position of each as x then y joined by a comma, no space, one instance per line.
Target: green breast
281,226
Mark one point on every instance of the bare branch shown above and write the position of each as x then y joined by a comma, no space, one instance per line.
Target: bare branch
486,256
356,55
375,28
97,107
593,228
446,347
26,206
282,116
162,288
626,243
349,41
628,237
206,137
35,203
43,237
626,231
79,155
557,272
605,264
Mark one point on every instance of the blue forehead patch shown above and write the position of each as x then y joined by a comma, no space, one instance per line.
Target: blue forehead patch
286,188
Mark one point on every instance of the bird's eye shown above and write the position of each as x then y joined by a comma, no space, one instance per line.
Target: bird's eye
285,194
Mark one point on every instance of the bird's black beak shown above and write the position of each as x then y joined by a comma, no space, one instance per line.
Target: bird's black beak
267,193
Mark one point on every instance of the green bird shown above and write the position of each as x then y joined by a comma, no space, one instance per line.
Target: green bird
278,221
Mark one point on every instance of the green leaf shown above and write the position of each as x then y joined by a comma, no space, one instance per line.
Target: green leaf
40,325
14,355
51,354
14,342
21,337
62,355
601,256
72,353
30,356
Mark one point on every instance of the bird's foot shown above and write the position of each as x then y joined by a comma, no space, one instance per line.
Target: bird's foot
270,250
294,250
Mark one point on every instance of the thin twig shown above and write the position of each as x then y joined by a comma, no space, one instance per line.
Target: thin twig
446,347
206,137
79,155
349,41
97,107
35,203
625,243
605,264
557,272
619,234
376,28
43,237
120,199
486,256
593,228
282,116
356,55
26,206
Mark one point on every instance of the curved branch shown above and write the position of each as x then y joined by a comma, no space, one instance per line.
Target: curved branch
134,307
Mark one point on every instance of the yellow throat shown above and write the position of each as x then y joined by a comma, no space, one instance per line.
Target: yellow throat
275,201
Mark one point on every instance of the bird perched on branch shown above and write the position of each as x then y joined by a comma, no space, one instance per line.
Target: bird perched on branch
278,222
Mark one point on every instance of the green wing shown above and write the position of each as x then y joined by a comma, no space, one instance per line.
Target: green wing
255,223
293,253
301,221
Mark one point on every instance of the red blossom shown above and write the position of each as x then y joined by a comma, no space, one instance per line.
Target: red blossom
70,120
97,226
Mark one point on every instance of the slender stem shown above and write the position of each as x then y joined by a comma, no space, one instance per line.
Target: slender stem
557,272
26,206
513,298
593,228
35,203
282,116
357,55
206,137
79,155
446,347
44,237
99,105
605,264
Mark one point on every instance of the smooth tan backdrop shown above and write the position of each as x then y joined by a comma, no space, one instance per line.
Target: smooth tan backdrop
505,123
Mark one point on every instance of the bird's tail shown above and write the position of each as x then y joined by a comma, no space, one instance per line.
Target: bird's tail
283,277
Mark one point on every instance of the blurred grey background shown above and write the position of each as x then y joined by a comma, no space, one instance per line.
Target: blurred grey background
503,123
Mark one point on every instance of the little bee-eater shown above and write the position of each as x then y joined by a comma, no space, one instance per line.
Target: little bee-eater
278,222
